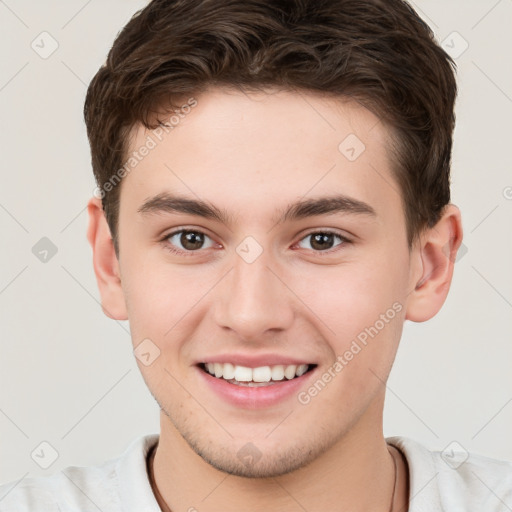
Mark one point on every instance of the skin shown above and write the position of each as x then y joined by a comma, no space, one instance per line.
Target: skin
252,155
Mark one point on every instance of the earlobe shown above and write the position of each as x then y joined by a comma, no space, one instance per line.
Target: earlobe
437,250
105,262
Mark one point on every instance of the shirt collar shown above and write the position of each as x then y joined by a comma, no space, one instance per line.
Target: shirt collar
134,486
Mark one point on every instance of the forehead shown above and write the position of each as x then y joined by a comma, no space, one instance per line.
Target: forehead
252,149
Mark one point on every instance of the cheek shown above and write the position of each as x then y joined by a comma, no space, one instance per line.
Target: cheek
361,305
348,299
162,298
151,299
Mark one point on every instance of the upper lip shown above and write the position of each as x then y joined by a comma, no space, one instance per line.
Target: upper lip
255,361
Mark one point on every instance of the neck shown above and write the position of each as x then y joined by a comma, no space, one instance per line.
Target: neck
356,473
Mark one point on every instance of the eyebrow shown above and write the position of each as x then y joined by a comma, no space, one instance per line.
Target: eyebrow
168,203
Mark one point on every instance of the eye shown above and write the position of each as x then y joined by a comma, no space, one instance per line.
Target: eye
187,240
323,241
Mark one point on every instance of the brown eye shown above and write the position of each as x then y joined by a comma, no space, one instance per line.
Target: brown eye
191,240
188,240
322,240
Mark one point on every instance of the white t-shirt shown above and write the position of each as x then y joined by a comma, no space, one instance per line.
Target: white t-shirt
438,482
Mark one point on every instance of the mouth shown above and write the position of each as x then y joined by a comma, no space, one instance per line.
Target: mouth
260,376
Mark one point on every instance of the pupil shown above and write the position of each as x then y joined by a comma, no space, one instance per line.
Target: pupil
322,241
191,240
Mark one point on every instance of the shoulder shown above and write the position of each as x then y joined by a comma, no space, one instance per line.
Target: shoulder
76,488
454,479
73,488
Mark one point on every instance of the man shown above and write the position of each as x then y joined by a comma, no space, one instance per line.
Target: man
273,204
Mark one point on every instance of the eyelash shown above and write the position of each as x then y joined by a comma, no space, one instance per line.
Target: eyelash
173,250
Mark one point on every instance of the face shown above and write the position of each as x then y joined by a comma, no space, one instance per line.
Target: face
260,239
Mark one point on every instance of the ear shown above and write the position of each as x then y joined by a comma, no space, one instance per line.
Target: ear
435,254
106,265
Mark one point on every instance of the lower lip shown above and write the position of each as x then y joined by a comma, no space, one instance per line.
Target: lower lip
255,397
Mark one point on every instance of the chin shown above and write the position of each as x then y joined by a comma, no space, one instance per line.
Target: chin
257,458
260,465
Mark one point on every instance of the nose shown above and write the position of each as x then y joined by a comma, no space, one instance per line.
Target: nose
253,300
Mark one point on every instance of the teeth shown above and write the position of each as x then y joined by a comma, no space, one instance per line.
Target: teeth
262,374
218,369
242,374
289,371
301,370
277,372
229,371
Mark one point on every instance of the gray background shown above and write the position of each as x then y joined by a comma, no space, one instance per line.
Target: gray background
68,375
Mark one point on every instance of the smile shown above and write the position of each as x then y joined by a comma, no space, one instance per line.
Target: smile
254,377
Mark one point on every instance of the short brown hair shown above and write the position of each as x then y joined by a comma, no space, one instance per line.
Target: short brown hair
378,52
